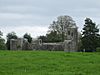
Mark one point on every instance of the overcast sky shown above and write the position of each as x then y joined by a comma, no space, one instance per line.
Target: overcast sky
34,16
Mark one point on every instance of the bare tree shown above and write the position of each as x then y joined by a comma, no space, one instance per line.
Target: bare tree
60,26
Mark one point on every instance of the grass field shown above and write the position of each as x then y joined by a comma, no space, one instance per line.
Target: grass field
48,63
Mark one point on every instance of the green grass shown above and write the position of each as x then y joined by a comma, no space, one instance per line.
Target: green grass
48,63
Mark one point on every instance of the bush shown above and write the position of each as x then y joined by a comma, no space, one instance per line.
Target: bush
2,44
98,49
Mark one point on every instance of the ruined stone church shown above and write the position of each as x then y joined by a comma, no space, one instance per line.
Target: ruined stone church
70,43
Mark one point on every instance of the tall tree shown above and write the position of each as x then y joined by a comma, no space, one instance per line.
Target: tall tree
28,37
90,36
10,36
61,25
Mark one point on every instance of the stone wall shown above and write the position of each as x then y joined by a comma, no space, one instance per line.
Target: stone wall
13,44
71,40
67,45
52,46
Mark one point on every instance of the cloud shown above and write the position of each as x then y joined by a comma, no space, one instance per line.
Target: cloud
22,15
21,30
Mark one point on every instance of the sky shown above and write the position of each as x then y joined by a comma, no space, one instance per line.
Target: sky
35,16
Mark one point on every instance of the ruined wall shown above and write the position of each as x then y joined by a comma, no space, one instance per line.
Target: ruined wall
71,40
13,44
38,45
52,46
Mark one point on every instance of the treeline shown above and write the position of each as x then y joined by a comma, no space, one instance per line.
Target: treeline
88,39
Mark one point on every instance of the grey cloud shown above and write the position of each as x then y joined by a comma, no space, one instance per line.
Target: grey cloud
43,12
36,15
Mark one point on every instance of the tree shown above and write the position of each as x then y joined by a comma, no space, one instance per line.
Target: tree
43,38
2,42
61,25
1,34
10,36
90,36
28,37
53,37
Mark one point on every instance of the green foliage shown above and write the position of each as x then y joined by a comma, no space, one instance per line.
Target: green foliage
2,42
90,36
28,37
98,43
48,63
10,36
1,34
43,38
98,49
53,37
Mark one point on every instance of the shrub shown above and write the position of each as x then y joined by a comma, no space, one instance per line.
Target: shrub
98,49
